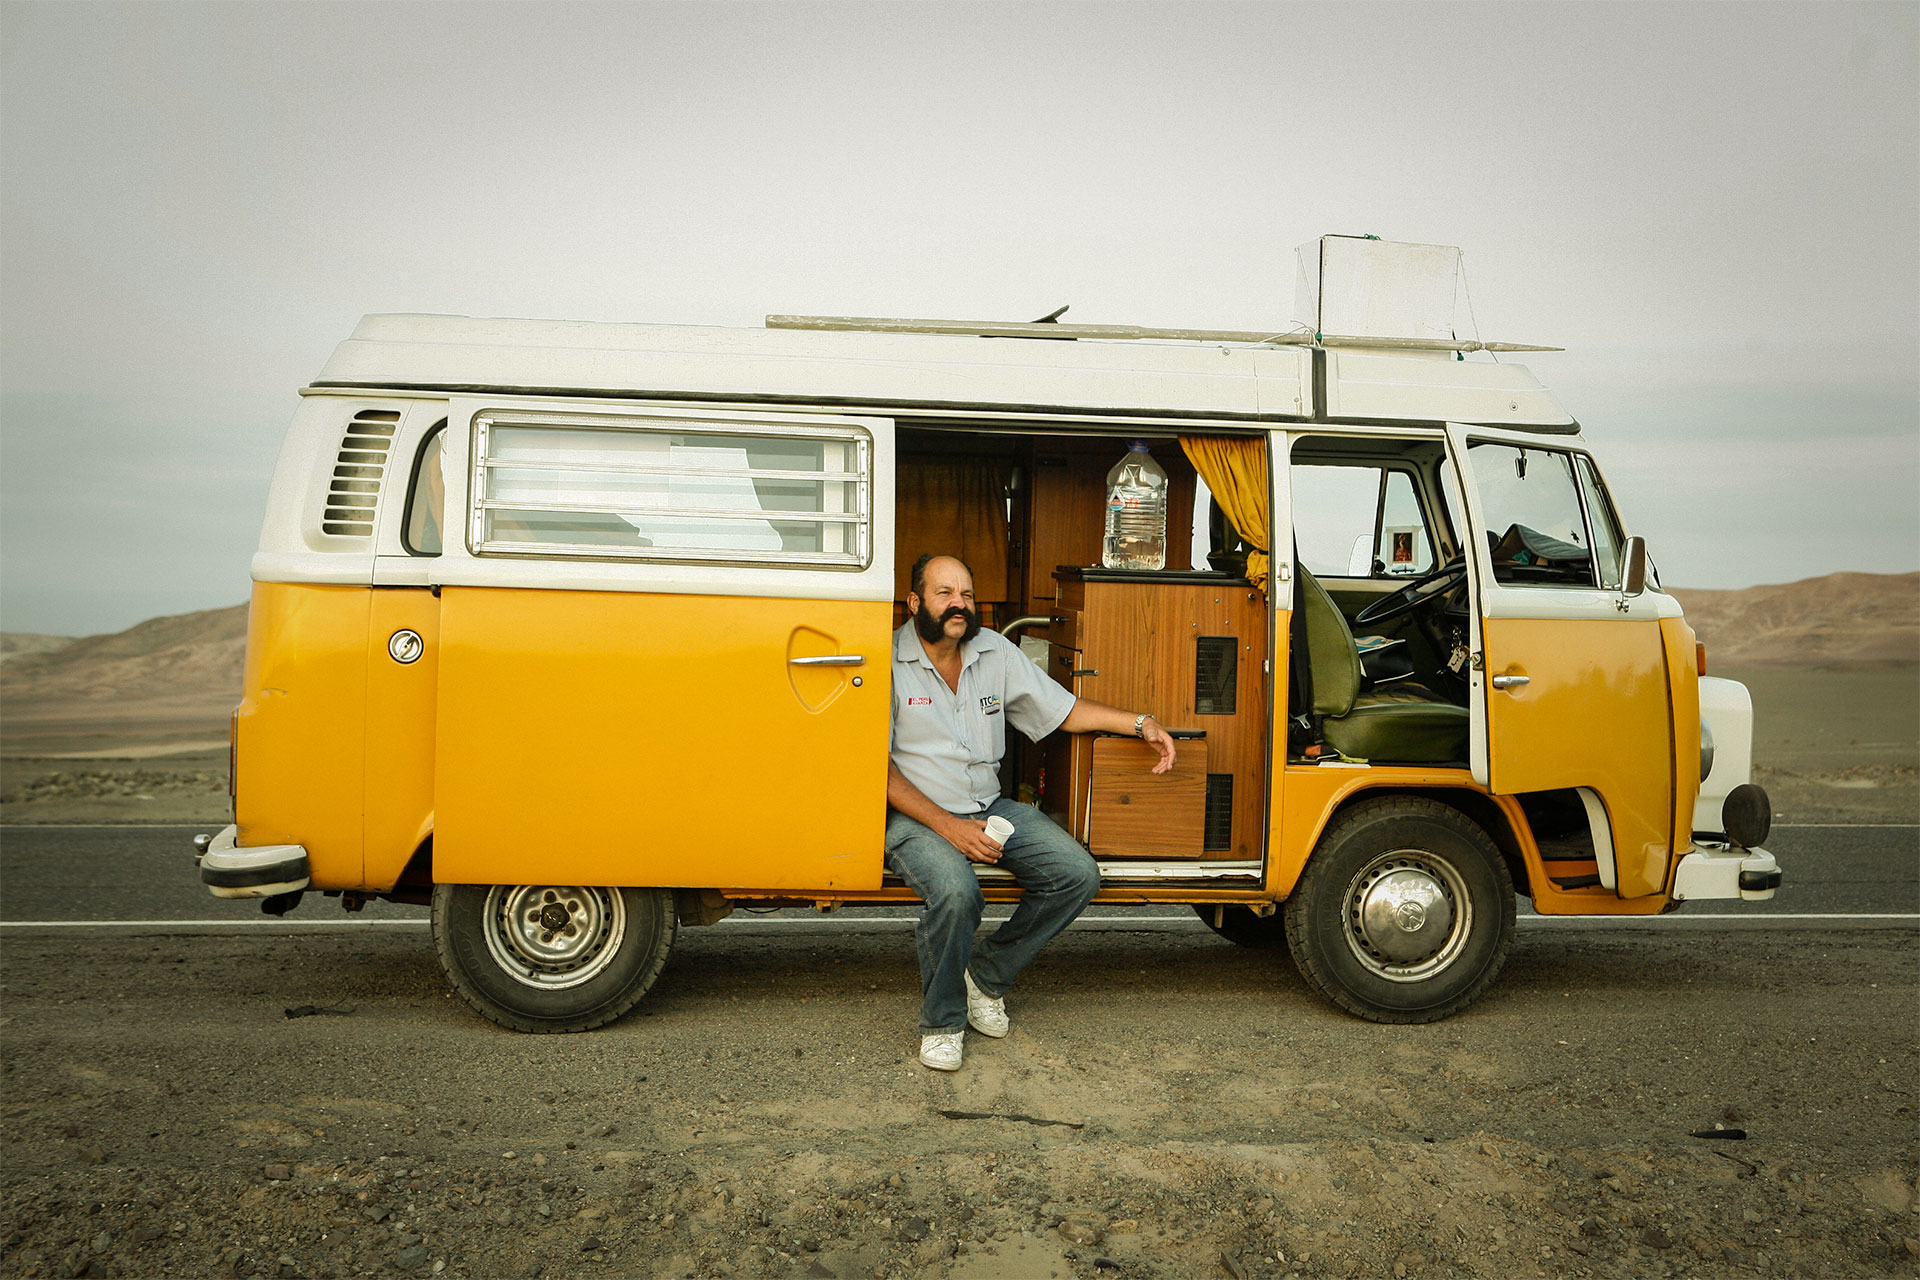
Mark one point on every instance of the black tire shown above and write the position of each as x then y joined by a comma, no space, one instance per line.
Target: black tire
1385,865
1241,927
551,958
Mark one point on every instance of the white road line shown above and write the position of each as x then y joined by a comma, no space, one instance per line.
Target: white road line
1086,922
1847,826
213,823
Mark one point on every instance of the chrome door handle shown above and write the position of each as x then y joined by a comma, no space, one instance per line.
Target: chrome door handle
831,660
1511,682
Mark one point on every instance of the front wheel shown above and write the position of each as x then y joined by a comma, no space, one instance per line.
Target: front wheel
549,958
1404,913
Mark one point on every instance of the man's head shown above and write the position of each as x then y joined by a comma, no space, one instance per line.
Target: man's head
940,600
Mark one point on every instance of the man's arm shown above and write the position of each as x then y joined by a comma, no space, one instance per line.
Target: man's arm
968,835
1089,716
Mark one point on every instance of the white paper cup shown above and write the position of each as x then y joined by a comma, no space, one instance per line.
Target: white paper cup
998,829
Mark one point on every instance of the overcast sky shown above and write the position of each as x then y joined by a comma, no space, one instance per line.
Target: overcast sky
1715,208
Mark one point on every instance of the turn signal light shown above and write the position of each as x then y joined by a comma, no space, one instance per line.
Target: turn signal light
1700,657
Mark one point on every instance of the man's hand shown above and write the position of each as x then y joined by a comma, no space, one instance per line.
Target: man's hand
1089,716
969,836
1160,740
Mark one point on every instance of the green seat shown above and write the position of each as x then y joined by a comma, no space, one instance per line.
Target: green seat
1402,723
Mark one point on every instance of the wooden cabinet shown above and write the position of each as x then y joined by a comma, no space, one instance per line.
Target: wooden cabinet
1190,648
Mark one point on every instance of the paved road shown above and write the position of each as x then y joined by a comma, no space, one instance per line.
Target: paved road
146,874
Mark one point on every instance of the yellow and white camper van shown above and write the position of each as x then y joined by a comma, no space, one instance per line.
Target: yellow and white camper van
579,632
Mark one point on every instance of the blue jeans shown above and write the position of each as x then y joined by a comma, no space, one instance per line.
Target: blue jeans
1057,878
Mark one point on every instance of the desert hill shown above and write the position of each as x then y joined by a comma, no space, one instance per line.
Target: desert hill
17,644
184,655
1841,619
168,683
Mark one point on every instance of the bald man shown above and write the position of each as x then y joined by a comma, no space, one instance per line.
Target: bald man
955,688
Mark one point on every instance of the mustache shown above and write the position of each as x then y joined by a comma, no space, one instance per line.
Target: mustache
956,611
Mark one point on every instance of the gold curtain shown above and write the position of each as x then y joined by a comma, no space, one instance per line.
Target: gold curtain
953,507
1235,469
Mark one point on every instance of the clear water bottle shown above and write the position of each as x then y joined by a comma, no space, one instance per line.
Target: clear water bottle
1136,512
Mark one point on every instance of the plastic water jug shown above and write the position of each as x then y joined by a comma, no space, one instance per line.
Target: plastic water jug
1136,512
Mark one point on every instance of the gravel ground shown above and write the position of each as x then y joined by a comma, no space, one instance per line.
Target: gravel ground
1168,1105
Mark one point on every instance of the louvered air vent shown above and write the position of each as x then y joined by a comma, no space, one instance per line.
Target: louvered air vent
1216,672
1217,833
354,491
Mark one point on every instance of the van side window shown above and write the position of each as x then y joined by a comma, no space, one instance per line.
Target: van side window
1534,522
1606,529
426,497
1359,522
668,490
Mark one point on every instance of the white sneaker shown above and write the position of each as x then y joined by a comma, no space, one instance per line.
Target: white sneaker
986,1014
941,1052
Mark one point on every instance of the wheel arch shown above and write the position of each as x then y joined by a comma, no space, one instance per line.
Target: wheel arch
1499,817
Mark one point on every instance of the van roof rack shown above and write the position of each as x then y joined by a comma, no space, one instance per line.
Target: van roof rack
1298,336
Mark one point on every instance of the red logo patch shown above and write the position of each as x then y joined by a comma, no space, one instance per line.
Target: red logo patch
919,702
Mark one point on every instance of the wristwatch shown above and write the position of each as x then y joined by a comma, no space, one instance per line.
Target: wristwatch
1140,723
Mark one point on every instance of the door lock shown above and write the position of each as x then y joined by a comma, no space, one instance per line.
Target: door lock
405,647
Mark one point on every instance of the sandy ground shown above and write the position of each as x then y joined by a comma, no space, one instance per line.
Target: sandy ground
1168,1105
1837,745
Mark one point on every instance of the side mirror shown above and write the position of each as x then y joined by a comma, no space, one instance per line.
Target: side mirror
1633,570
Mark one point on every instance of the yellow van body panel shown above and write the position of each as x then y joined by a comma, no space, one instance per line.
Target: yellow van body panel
1307,796
1596,713
635,738
1683,670
402,700
301,728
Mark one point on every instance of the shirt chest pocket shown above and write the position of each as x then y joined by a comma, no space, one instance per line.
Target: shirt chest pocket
990,721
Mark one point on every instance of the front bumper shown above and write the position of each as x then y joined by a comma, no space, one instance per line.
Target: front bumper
263,871
1726,871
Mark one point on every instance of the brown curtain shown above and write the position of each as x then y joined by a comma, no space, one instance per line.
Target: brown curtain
1235,469
953,507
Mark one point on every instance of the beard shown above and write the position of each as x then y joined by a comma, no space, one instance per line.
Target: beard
934,629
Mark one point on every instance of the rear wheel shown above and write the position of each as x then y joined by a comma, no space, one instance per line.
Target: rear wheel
1404,913
549,958
1241,927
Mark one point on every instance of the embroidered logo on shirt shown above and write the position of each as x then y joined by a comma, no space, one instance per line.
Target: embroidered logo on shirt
919,702
990,705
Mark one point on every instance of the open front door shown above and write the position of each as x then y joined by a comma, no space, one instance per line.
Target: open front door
1571,687
664,647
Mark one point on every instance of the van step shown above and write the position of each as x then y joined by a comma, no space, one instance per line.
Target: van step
1577,882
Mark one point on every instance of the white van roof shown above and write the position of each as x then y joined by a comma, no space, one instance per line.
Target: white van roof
919,375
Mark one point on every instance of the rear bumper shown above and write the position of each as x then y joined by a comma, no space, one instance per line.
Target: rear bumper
262,871
1726,872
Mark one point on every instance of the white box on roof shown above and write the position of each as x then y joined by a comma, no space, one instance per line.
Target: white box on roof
1359,287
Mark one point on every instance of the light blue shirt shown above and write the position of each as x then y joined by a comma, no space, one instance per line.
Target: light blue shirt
948,742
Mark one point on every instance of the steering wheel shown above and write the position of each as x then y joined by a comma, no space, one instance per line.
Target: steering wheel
1422,590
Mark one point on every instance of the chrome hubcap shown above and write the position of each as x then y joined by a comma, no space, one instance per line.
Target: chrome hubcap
1407,915
552,937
